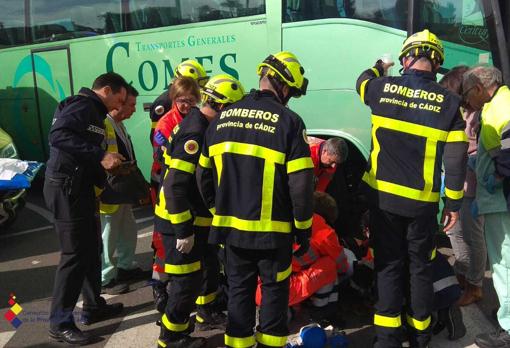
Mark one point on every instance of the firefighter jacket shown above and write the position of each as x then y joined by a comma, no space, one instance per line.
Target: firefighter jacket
76,139
165,125
493,156
159,107
322,174
179,205
416,125
323,242
255,174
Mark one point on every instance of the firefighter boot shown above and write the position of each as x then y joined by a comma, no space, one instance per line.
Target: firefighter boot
209,318
179,340
160,295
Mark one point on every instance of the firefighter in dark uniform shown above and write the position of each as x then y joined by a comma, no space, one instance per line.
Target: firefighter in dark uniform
416,126
77,163
163,103
184,222
255,173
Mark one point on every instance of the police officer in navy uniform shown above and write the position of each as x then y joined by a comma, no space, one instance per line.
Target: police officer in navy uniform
77,163
416,128
255,173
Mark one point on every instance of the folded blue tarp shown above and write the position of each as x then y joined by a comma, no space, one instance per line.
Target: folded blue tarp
21,181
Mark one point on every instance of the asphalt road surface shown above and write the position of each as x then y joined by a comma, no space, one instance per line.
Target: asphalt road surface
29,255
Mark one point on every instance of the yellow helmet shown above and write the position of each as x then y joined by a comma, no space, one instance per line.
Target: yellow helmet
287,67
423,44
192,68
222,89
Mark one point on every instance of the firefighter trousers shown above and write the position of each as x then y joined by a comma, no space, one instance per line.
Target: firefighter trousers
403,249
193,279
243,267
79,270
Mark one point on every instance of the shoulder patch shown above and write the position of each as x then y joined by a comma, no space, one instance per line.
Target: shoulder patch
191,147
305,137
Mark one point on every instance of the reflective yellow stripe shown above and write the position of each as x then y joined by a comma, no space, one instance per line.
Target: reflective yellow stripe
409,128
303,225
202,221
161,344
204,161
154,124
239,342
270,340
433,254
429,164
182,269
455,136
212,210
284,274
161,211
98,191
108,208
166,158
172,326
247,150
400,190
376,72
299,164
266,204
362,90
182,165
251,225
180,217
218,163
111,138
203,300
452,194
199,318
418,324
381,320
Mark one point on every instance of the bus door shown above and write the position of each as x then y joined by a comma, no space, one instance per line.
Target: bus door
52,83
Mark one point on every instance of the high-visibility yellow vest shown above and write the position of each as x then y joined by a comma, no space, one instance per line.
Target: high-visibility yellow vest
111,142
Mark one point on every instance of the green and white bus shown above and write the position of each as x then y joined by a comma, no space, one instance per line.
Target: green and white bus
50,48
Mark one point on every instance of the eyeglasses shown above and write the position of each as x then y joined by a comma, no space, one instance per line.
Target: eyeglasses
189,102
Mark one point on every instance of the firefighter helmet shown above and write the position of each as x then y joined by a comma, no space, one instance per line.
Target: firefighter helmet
286,66
423,44
192,68
222,89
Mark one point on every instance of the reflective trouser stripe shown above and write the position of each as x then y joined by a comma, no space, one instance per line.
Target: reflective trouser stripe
203,300
270,340
173,326
420,325
280,276
381,320
182,269
239,342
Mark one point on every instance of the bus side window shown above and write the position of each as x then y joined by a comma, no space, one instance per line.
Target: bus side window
12,23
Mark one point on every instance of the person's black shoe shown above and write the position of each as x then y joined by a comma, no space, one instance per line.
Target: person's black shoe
160,295
130,274
497,339
70,336
210,319
107,311
114,288
454,323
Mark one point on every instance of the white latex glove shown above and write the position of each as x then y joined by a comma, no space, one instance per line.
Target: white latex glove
185,245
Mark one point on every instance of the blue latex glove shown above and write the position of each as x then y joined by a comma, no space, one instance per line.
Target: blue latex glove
160,139
474,209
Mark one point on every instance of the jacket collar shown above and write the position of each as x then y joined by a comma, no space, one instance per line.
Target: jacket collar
87,92
421,73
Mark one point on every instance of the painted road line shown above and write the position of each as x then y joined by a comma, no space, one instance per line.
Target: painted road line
41,211
143,235
21,233
136,330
